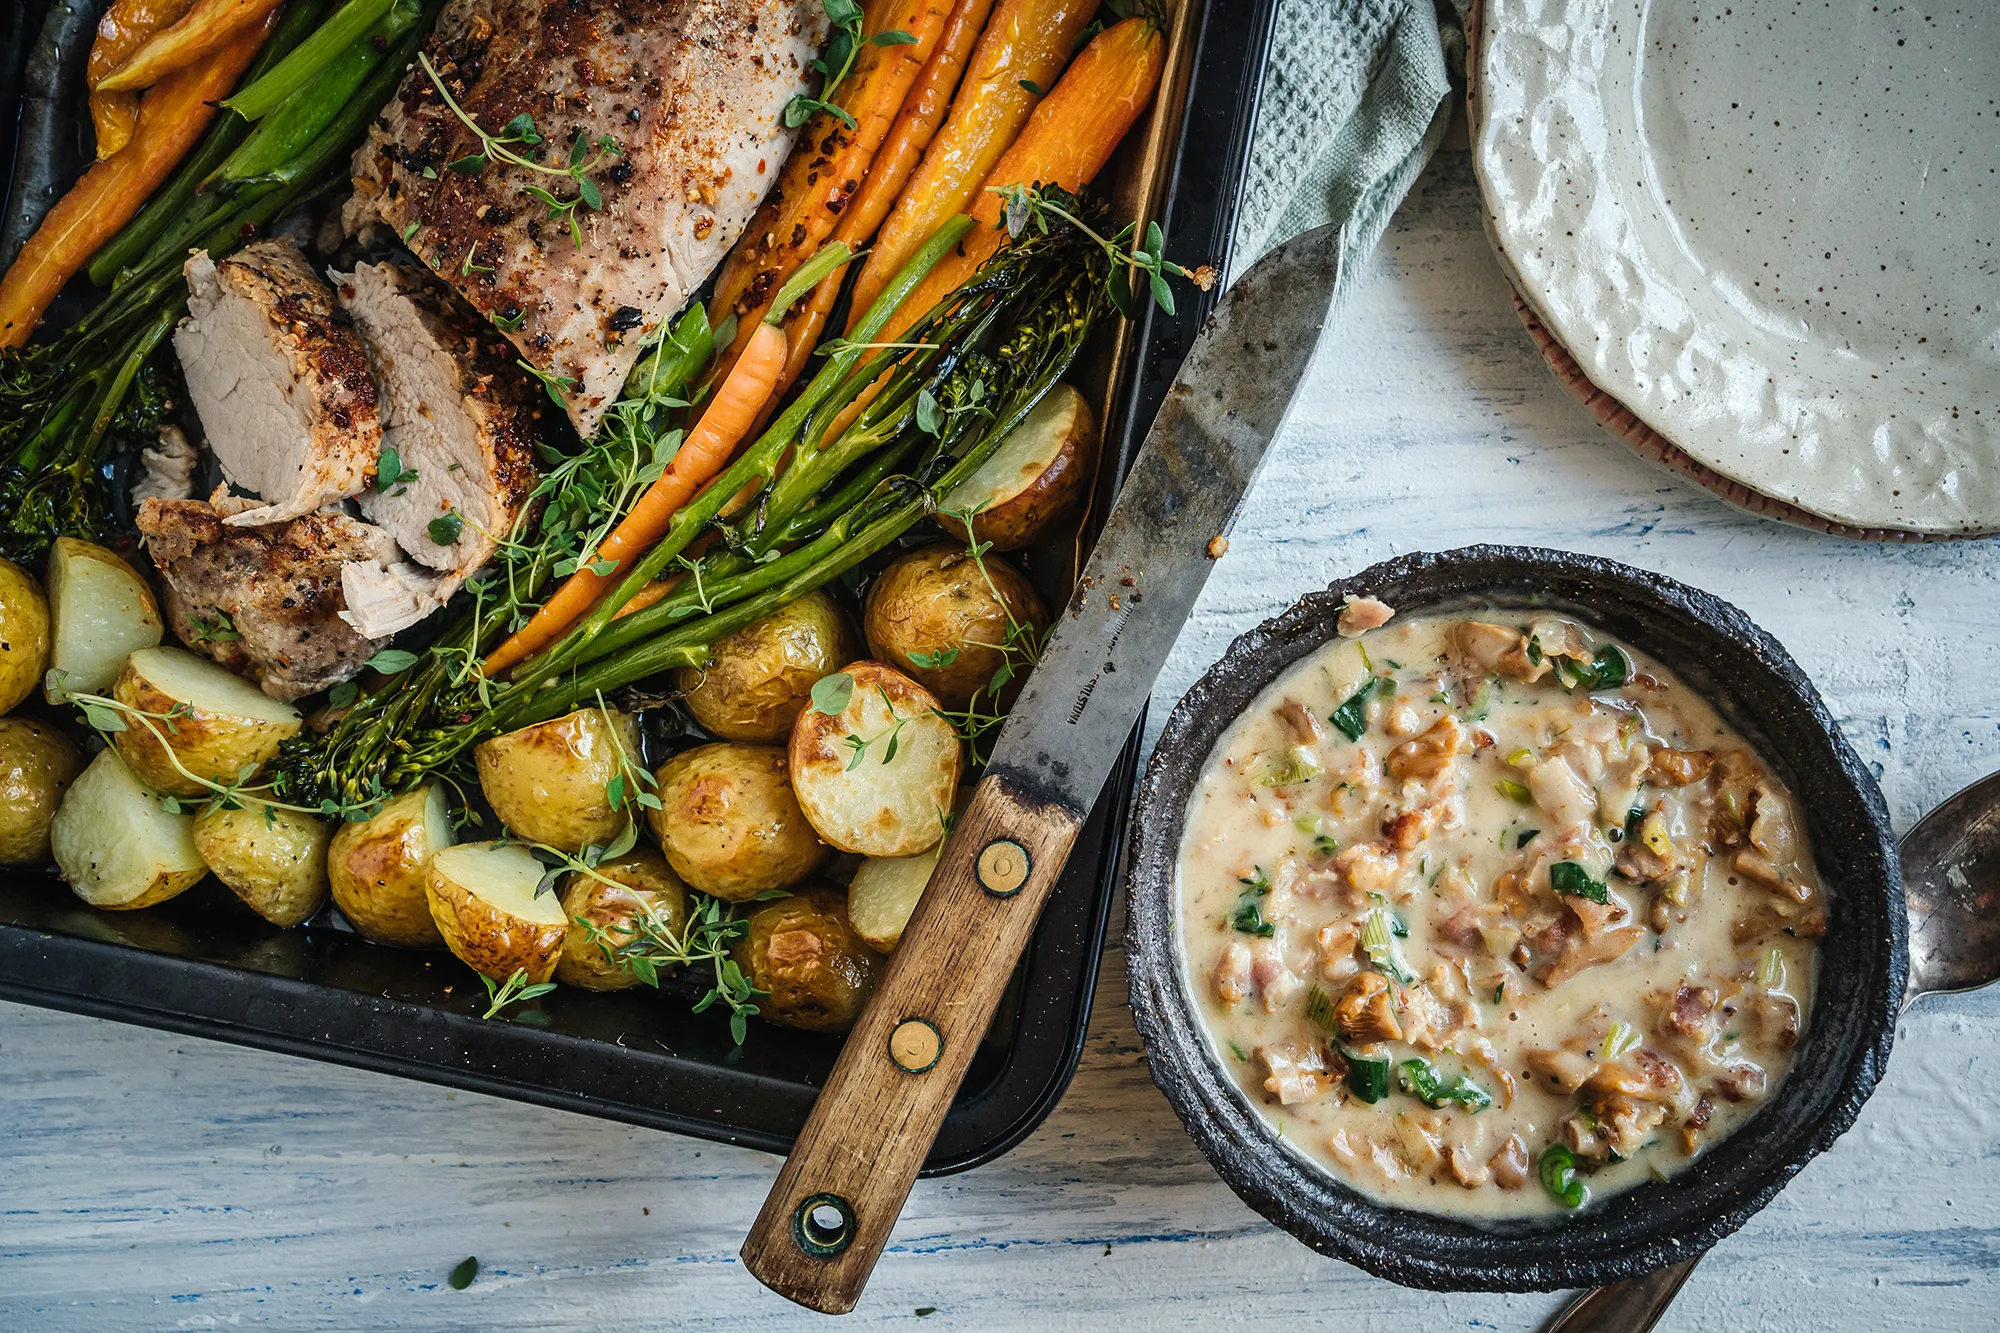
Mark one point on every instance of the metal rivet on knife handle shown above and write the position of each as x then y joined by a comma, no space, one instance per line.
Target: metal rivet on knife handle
1003,867
915,1045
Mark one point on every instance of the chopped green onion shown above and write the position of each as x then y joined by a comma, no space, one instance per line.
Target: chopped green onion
1319,1008
1620,1041
1771,971
1301,765
1514,791
1367,1075
1307,823
1237,1051
1378,941
1570,878
1352,716
1521,757
1483,701
1527,836
1325,846
1558,1172
1423,1082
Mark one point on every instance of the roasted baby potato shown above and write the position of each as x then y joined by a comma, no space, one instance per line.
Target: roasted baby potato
551,782
884,892
816,969
100,613
645,884
37,765
877,776
116,842
274,860
730,822
215,724
762,675
482,896
948,620
378,868
1035,480
24,634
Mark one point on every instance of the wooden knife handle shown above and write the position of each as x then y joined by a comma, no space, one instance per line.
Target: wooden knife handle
841,1190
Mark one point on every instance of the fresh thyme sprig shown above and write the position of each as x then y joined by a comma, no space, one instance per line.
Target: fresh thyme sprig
584,158
1020,649
843,46
514,990
1029,205
650,944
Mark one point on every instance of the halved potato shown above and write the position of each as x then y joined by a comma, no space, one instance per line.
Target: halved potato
947,620
37,765
550,782
730,822
378,868
274,860
759,678
117,844
644,883
1035,480
214,723
876,777
816,972
482,896
24,634
100,613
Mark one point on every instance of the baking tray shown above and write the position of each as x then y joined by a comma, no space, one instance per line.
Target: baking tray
203,965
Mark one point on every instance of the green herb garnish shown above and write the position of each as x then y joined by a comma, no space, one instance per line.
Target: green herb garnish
1422,1081
1558,1172
1367,1075
1352,716
1570,878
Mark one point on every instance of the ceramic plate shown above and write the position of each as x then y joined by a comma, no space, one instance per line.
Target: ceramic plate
1768,230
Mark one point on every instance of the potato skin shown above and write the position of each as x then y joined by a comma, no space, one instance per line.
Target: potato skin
1021,494
817,970
730,822
377,869
117,844
549,782
24,634
762,675
275,864
646,883
485,940
211,745
935,600
880,807
37,764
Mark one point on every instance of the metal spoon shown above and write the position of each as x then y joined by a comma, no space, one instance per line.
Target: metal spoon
1951,887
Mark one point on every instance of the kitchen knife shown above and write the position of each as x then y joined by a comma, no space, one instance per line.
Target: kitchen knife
837,1198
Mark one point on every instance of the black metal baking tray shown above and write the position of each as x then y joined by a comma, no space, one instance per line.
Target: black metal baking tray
201,964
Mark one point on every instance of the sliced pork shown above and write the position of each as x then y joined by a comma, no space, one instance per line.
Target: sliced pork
280,379
691,91
264,599
458,442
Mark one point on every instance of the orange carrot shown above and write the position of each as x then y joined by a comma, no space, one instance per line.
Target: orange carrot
1018,58
923,111
205,29
704,452
1066,143
172,115
827,167
123,30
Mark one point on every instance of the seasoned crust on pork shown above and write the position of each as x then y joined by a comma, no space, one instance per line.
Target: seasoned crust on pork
692,92
279,585
280,379
461,418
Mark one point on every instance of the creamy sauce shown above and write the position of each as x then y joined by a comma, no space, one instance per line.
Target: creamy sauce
1544,906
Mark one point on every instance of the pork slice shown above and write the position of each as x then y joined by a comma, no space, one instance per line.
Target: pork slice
280,379
461,420
277,584
692,92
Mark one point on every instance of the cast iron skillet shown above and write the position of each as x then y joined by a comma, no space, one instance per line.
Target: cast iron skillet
1761,692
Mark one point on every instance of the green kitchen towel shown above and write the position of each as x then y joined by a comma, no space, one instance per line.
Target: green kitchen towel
1357,96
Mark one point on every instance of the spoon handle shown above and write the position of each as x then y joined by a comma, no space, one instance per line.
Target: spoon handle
1631,1306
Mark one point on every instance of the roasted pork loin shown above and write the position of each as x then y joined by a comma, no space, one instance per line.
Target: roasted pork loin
280,379
265,599
692,93
459,424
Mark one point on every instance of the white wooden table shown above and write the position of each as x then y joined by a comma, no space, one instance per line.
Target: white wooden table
149,1181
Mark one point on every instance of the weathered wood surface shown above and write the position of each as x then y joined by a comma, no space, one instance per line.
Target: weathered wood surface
150,1181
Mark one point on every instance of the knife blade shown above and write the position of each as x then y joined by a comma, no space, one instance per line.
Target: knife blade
837,1198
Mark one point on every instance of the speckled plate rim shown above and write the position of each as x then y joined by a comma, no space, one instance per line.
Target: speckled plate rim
1610,412
1617,1239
